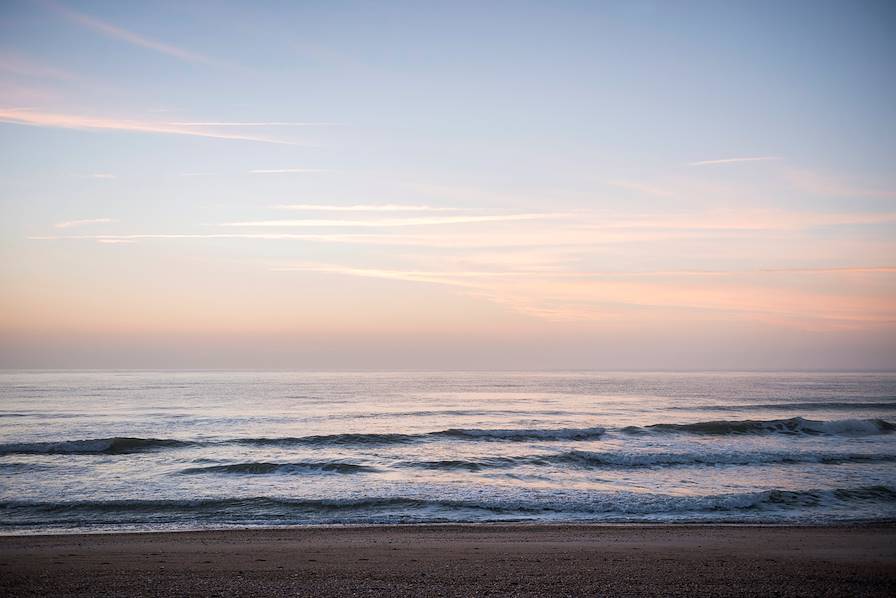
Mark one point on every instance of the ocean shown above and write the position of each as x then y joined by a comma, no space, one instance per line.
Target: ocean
84,451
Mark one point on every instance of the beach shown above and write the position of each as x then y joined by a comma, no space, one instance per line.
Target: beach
459,560
447,484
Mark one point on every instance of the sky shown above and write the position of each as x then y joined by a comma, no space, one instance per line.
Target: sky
448,185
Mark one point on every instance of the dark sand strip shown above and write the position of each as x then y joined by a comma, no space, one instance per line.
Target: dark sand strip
474,560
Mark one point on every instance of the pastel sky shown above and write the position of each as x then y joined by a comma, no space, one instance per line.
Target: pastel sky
448,185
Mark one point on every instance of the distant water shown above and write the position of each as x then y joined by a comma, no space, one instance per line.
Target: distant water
89,451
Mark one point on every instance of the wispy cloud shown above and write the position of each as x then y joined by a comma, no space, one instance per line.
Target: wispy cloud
115,241
584,231
446,278
455,239
83,222
389,222
448,275
254,124
199,236
729,220
287,170
389,207
38,118
733,160
576,296
550,281
115,32
502,265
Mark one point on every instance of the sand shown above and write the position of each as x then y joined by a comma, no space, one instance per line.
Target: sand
459,560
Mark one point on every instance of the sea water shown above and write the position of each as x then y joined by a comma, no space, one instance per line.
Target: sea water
136,450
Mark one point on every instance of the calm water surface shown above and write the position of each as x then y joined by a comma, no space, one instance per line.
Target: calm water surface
84,451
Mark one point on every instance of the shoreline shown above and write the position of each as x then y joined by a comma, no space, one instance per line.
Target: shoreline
57,533
517,559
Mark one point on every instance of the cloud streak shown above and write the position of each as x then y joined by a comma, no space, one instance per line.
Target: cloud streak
200,236
745,220
608,296
447,275
254,124
390,222
112,31
36,118
734,160
287,171
389,207
584,231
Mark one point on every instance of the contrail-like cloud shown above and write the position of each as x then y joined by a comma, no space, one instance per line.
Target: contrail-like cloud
286,170
389,207
254,124
389,222
338,238
451,274
110,30
37,118
733,160
576,296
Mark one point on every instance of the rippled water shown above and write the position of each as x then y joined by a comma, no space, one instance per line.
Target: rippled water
159,450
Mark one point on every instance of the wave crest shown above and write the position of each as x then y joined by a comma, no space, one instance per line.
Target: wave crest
255,468
794,425
655,459
118,445
524,434
769,505
797,425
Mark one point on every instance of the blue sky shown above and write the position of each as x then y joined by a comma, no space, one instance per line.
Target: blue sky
344,185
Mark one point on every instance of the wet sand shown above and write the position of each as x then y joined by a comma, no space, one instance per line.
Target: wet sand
459,560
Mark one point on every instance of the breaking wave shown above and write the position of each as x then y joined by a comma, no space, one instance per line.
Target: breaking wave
622,460
803,406
107,446
794,425
123,445
525,434
653,459
282,468
611,506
